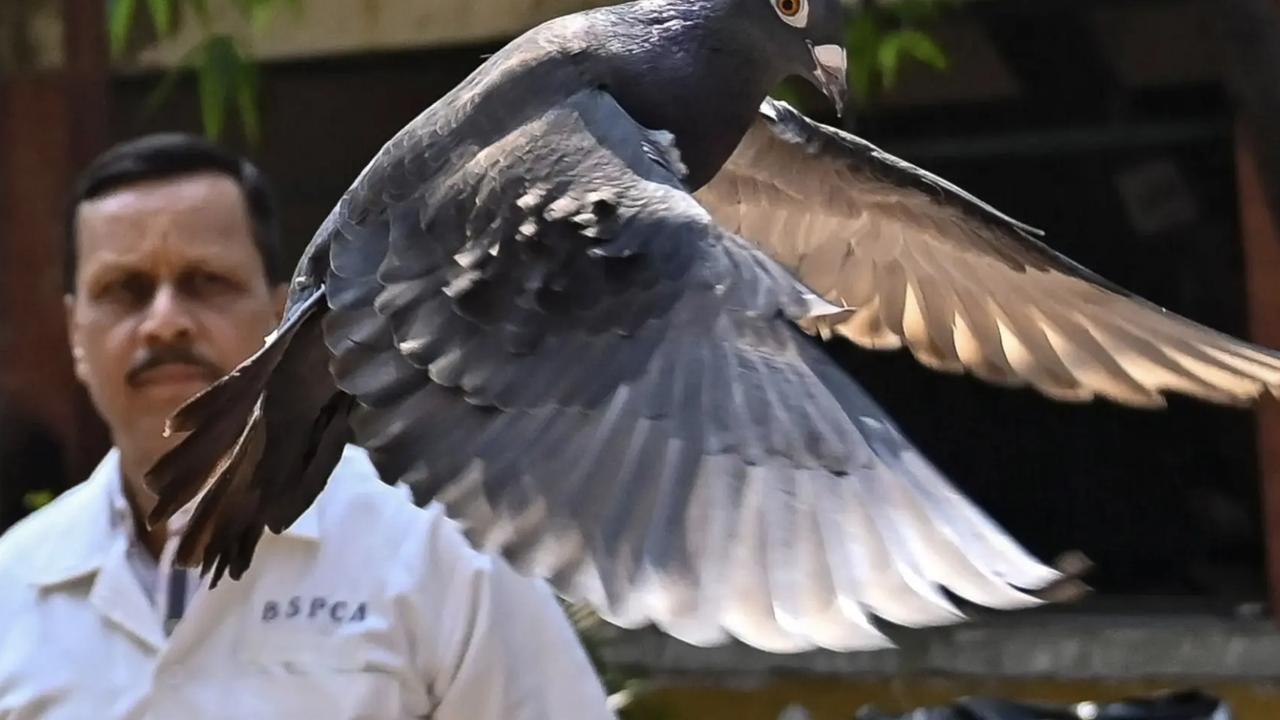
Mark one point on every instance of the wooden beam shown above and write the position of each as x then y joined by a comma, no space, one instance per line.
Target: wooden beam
34,173
87,71
1261,240
53,120
88,100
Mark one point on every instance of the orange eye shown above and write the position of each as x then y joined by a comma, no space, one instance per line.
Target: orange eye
789,8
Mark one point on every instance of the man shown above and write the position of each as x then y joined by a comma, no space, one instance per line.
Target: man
366,607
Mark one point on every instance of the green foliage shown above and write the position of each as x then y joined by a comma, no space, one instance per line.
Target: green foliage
882,35
226,76
161,15
911,43
37,499
120,15
223,74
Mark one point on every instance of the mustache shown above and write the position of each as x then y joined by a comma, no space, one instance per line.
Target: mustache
170,355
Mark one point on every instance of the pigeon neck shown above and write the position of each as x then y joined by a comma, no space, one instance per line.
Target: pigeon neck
700,81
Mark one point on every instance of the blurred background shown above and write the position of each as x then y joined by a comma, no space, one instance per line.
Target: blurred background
1142,135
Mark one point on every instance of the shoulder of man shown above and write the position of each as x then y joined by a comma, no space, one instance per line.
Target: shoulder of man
359,507
356,496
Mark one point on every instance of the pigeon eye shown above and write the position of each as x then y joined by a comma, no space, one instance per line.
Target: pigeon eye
794,12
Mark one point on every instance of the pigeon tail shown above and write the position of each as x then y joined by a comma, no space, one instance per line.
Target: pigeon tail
272,432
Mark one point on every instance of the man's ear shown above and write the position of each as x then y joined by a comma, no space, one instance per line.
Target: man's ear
73,337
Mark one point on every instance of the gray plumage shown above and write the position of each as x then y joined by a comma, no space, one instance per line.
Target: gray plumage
528,315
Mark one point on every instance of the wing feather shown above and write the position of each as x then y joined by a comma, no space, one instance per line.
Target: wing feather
919,262
604,386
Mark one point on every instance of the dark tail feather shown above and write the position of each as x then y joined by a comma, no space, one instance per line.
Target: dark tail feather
221,413
310,468
218,417
227,502
268,435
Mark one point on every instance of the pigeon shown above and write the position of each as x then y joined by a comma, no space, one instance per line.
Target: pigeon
580,301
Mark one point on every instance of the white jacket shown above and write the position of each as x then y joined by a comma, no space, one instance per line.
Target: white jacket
368,607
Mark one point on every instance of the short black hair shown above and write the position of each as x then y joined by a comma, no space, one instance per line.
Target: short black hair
167,155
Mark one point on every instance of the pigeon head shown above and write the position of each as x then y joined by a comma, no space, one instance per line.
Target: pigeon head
804,38
699,69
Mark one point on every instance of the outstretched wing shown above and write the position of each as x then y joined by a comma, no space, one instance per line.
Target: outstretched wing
917,261
553,338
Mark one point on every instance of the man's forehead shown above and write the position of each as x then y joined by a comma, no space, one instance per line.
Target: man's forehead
199,214
209,192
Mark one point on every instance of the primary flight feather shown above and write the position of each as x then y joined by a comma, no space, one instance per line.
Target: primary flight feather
574,299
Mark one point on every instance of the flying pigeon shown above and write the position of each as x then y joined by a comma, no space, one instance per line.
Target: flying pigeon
576,302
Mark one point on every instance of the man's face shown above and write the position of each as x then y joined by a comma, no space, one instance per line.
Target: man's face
170,293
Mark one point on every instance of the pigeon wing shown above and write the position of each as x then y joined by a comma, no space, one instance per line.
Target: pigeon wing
553,338
919,262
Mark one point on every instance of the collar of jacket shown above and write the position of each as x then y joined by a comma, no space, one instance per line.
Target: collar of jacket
84,516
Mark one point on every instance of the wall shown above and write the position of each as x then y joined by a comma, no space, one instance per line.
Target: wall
337,27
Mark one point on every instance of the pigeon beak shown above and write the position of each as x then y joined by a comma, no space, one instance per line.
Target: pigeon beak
831,68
